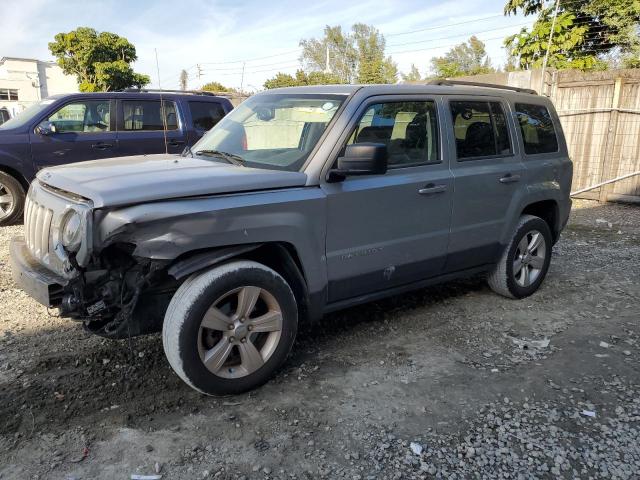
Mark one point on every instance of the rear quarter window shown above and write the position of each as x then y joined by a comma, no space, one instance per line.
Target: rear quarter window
538,132
205,115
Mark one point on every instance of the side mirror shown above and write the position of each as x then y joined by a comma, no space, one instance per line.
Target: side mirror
46,128
362,159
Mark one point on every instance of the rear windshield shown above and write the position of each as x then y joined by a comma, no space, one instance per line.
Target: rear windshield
538,132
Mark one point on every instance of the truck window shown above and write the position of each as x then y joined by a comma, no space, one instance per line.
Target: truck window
146,115
480,129
205,114
409,129
83,117
536,125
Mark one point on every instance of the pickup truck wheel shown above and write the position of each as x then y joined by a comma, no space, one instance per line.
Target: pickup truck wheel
525,262
229,329
11,199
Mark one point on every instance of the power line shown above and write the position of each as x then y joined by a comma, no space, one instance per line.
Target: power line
444,26
455,36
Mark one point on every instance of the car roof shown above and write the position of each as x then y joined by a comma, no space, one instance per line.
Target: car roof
397,89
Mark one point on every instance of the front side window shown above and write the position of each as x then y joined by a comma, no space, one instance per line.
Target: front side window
83,117
536,126
205,115
275,131
408,129
480,129
148,115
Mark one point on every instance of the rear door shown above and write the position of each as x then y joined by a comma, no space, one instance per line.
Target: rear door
204,116
390,230
85,130
144,124
487,170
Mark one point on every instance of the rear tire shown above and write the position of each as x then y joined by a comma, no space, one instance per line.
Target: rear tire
229,329
525,262
12,197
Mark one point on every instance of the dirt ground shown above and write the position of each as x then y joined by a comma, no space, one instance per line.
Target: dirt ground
445,382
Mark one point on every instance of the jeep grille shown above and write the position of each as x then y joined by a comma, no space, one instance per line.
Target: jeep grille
37,226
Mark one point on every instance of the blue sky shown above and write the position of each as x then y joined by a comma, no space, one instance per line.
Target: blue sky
220,34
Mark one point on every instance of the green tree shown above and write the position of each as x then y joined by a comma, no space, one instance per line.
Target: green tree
589,34
300,79
354,57
101,61
342,54
217,87
469,58
414,75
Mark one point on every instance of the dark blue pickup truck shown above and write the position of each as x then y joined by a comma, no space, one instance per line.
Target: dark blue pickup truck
89,126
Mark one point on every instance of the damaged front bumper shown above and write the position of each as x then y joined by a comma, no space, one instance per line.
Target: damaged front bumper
38,282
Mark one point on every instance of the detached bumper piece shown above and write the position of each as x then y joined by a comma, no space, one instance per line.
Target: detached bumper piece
38,282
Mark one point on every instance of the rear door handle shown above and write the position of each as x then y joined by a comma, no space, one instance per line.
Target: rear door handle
175,143
508,178
431,188
101,146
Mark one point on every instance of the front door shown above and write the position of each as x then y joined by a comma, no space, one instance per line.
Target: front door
389,230
487,176
144,130
84,130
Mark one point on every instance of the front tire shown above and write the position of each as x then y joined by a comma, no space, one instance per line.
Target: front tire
11,199
229,329
525,262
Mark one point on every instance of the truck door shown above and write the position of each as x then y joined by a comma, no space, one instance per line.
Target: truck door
84,130
487,172
390,230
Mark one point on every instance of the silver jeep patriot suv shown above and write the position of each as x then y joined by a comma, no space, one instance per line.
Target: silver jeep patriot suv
300,202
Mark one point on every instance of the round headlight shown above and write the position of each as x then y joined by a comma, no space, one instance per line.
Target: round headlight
72,231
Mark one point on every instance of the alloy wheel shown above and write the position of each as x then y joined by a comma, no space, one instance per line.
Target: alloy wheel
6,201
239,332
529,258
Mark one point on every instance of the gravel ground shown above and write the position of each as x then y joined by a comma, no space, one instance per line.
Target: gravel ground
447,382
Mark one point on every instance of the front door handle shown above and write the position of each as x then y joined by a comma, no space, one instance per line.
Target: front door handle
508,178
431,188
175,143
101,146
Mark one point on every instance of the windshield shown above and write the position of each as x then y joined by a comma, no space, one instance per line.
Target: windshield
26,115
274,131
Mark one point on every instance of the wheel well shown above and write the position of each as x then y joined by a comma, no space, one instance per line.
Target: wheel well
17,175
548,211
283,258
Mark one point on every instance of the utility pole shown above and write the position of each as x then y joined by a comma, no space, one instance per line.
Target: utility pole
327,68
198,71
242,78
546,56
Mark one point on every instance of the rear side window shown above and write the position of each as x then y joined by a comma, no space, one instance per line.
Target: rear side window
408,129
147,115
480,129
205,114
536,125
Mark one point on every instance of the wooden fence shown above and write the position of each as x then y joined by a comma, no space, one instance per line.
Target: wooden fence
600,115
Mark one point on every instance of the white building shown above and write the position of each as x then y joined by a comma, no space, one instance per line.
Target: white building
24,81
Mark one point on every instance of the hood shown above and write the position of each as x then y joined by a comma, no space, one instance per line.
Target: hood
144,178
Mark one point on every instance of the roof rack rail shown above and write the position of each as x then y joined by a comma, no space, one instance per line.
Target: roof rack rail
158,90
478,84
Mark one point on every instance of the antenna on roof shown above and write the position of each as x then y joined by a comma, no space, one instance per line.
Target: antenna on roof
162,112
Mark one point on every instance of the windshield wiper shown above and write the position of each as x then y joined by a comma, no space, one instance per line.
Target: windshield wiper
229,157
